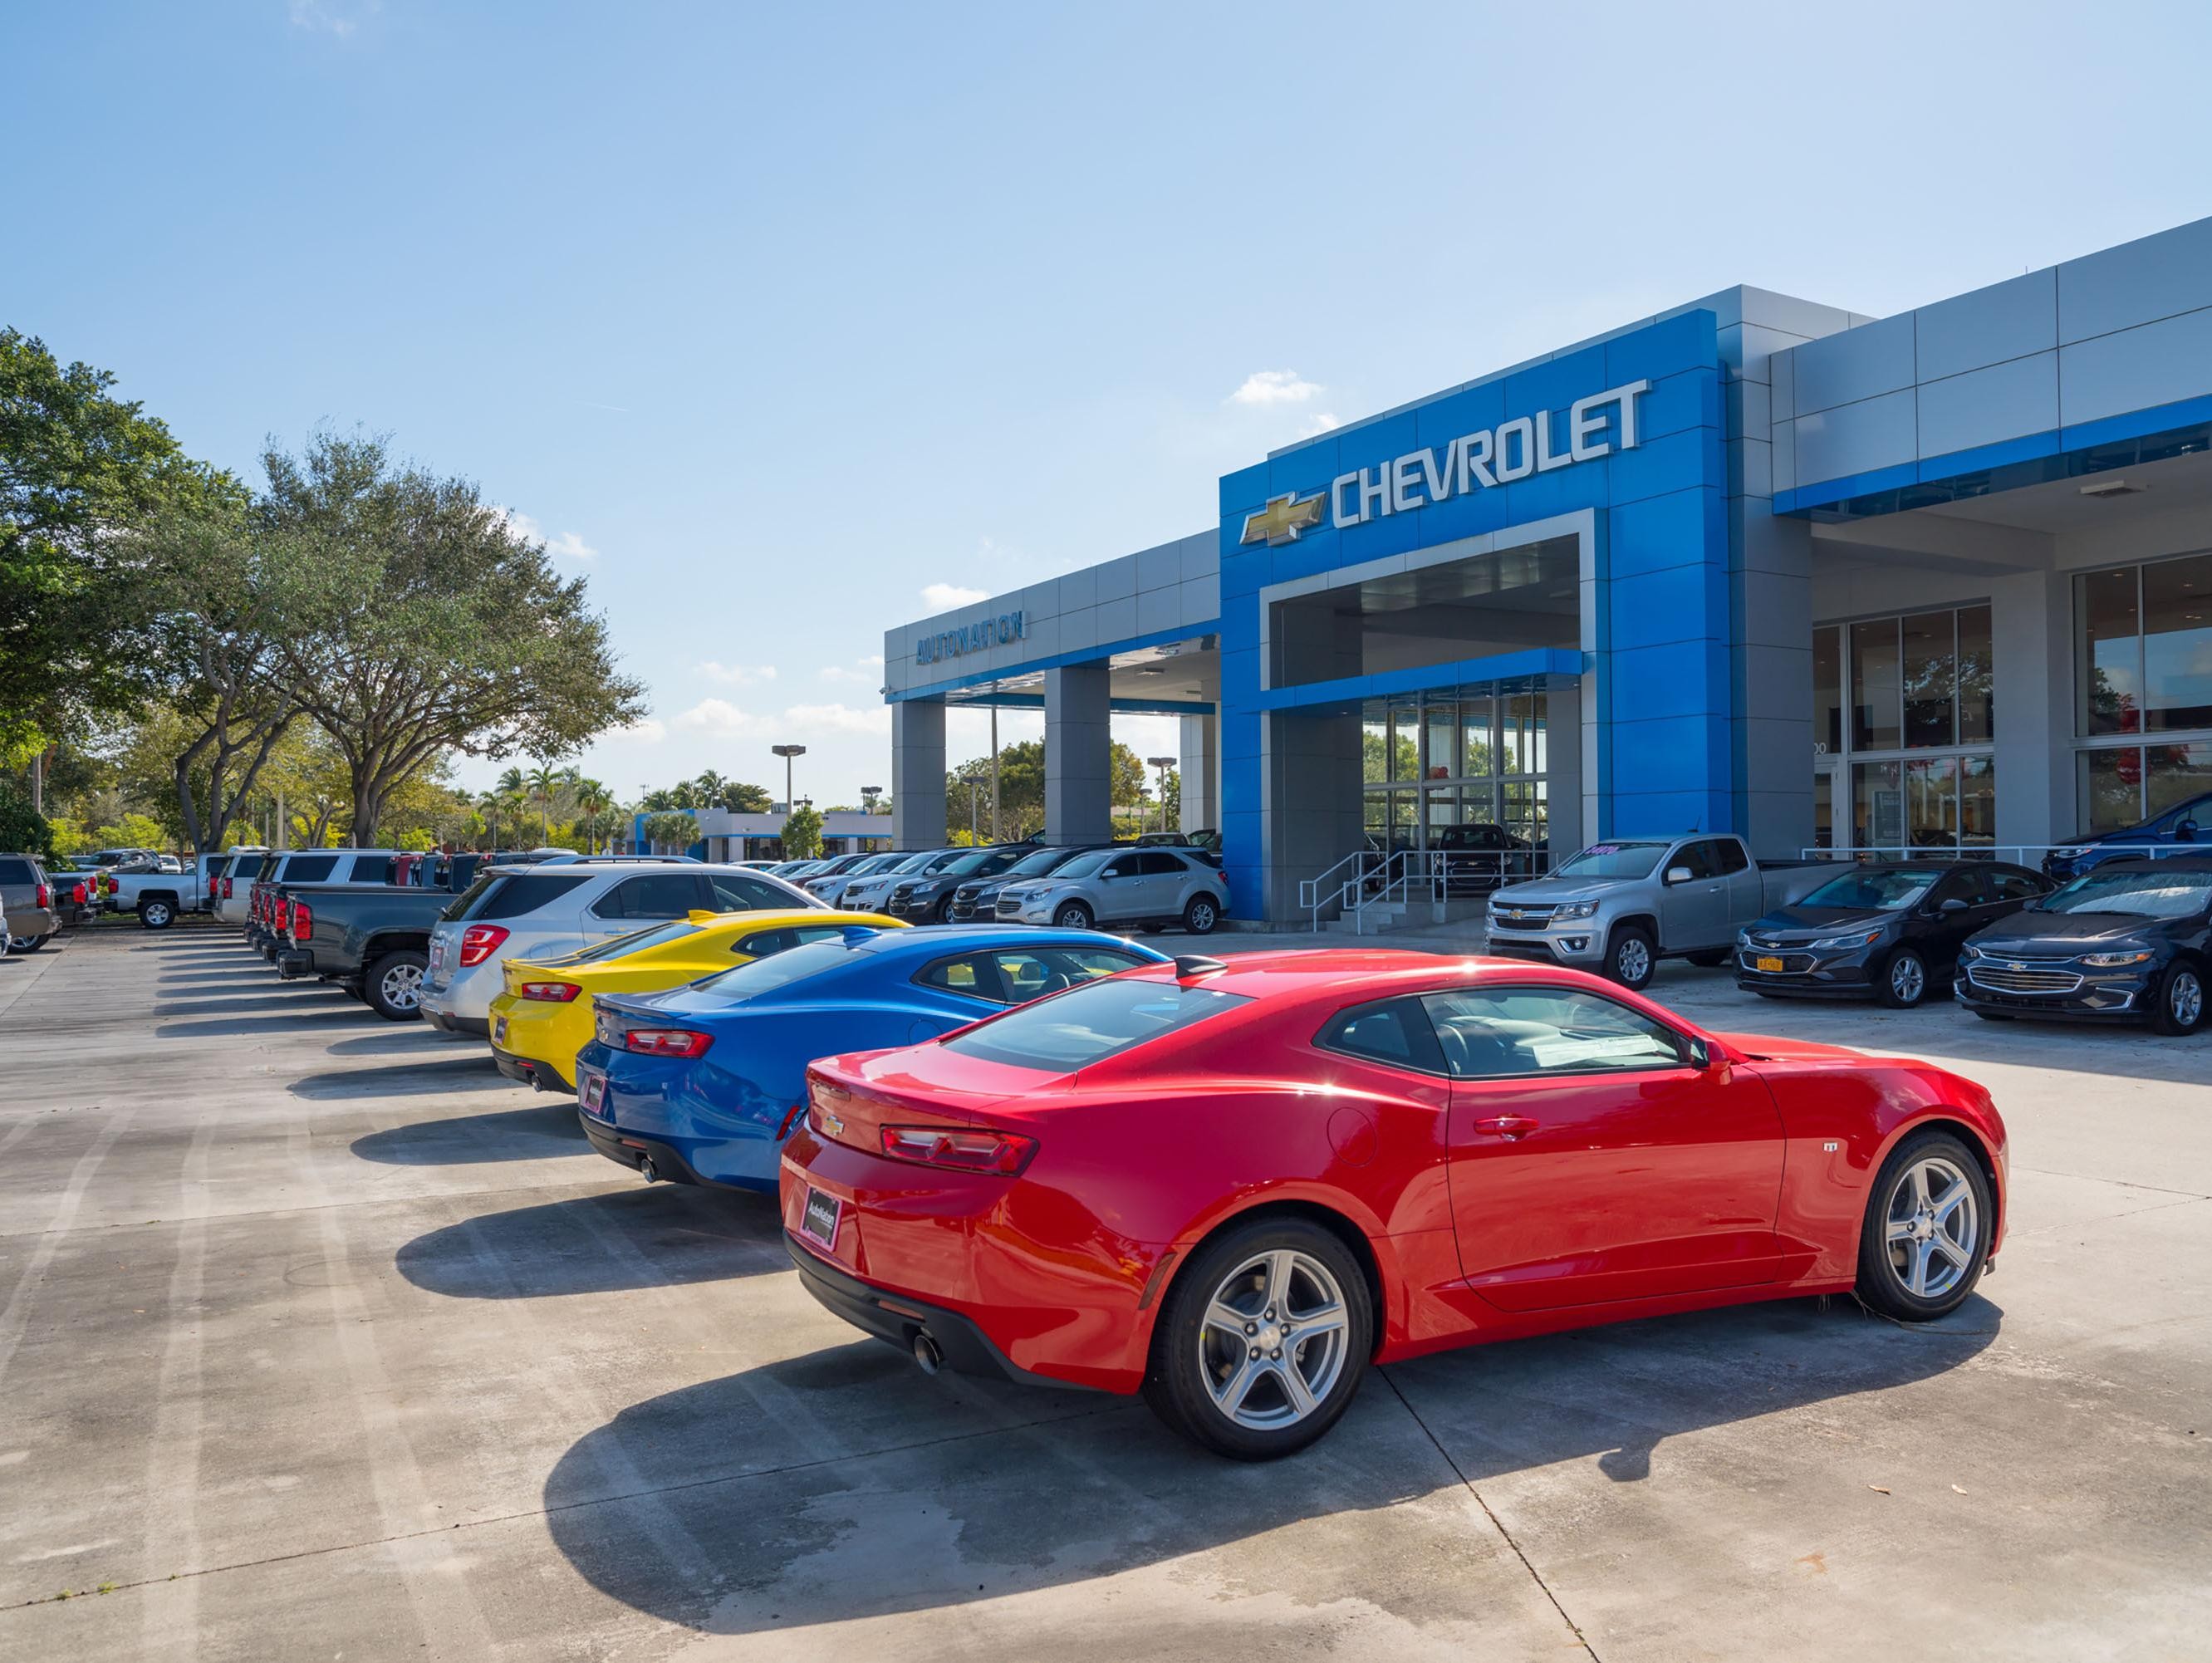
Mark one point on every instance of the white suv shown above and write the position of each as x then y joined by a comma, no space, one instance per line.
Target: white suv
537,912
1128,886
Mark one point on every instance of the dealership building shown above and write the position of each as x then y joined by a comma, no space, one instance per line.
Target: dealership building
1939,580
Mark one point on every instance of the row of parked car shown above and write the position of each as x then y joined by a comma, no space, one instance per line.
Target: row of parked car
2114,938
1061,1158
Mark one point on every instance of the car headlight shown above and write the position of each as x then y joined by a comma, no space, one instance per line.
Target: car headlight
1857,939
2113,960
1567,909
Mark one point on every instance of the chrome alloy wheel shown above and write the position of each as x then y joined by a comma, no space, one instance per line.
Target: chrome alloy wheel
1908,979
1634,960
402,987
1934,1226
2185,999
1272,1344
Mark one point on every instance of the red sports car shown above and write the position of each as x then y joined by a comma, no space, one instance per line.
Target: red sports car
1233,1186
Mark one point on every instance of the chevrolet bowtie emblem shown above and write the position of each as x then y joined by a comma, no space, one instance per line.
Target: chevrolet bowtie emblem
1282,519
830,1123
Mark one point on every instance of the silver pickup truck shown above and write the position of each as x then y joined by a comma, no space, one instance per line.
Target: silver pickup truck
1619,907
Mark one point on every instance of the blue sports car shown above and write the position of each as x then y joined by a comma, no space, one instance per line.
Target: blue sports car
701,1084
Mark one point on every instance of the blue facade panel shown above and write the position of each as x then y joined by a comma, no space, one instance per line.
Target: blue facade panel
1660,655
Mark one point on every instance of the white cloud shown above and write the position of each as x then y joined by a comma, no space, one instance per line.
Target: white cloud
646,731
1274,386
869,674
1319,421
335,18
568,543
944,596
738,675
719,719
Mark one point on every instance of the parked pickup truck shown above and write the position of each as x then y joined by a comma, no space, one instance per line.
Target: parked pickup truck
289,867
158,896
373,940
1619,907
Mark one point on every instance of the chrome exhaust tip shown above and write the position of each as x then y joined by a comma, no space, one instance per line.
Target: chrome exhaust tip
928,1353
646,1170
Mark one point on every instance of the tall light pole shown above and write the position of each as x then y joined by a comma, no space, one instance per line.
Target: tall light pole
1163,763
787,752
997,832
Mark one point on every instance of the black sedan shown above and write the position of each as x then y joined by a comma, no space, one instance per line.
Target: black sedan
1891,932
2125,942
926,897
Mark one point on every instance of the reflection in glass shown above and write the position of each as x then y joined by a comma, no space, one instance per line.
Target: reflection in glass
1478,737
1977,708
1824,812
2177,644
1373,744
1931,803
1828,689
1521,718
1977,799
1877,806
2111,788
1929,678
2174,774
2110,651
1875,685
1441,760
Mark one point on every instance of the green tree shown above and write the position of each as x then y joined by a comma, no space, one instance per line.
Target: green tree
23,830
802,834
670,830
592,803
431,624
78,467
1021,788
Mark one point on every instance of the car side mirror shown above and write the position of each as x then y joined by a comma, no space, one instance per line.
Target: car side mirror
1954,904
2185,832
1701,1055
1678,875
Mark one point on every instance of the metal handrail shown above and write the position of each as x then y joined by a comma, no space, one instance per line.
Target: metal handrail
1991,850
1378,879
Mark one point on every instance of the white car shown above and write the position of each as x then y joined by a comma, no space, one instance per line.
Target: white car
831,886
233,885
868,894
1129,886
537,912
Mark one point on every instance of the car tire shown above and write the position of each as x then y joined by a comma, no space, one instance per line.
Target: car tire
1074,916
943,914
2180,999
1202,916
1630,956
392,987
1711,958
157,914
1920,1233
1197,1362
1902,981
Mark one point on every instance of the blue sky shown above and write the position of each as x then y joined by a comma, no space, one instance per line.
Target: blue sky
775,318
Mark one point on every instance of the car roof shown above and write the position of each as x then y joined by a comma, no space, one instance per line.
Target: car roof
1361,973
964,937
1935,868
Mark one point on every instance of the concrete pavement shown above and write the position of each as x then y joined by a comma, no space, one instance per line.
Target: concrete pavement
320,1338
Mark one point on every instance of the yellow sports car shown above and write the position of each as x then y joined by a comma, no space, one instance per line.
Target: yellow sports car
545,1016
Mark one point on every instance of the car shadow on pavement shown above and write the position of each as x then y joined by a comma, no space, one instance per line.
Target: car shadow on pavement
545,1126
617,1242
272,999
346,1014
413,1079
399,1039
844,1484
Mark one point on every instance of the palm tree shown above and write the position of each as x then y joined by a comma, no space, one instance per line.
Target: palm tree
592,801
544,782
491,801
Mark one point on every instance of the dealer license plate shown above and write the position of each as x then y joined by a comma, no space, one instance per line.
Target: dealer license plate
820,1218
1771,966
591,1093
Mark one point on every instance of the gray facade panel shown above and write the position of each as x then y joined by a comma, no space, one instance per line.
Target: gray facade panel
1982,406
2138,282
2137,368
1858,364
1874,433
2009,319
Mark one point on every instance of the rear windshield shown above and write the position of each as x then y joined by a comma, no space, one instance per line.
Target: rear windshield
2139,895
1042,861
1085,864
1614,860
309,868
511,894
777,970
1091,1023
1885,891
372,868
16,872
658,935
249,865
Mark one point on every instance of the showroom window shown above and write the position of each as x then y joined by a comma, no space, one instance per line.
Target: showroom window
1456,758
1903,718
2142,656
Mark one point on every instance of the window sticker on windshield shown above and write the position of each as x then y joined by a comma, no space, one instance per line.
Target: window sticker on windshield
1603,848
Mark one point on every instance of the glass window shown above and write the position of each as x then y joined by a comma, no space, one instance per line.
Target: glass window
2176,613
763,975
1127,865
1091,1023
1877,806
1977,800
1374,746
1522,734
2110,648
1930,679
1405,742
733,892
1874,686
654,934
1441,760
1395,1032
1931,803
652,895
1884,889
1728,856
2017,886
1824,810
309,868
2174,774
1527,811
1025,976
1615,860
510,894
2111,788
371,869
1977,706
1965,886
2170,893
1478,741
1827,690
1509,1033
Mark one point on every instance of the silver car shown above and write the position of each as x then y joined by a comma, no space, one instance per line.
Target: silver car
1128,886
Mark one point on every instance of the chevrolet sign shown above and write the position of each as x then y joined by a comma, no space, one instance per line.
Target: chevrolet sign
1596,426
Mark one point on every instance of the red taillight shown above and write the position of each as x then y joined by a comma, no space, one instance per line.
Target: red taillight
556,993
284,917
667,1041
303,920
46,898
1001,1152
225,895
479,941
77,894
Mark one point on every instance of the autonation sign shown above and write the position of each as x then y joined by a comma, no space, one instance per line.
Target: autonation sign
1595,426
986,631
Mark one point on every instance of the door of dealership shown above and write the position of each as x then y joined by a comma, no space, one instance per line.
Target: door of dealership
1433,764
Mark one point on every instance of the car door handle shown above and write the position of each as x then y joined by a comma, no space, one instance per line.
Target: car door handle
1507,1126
